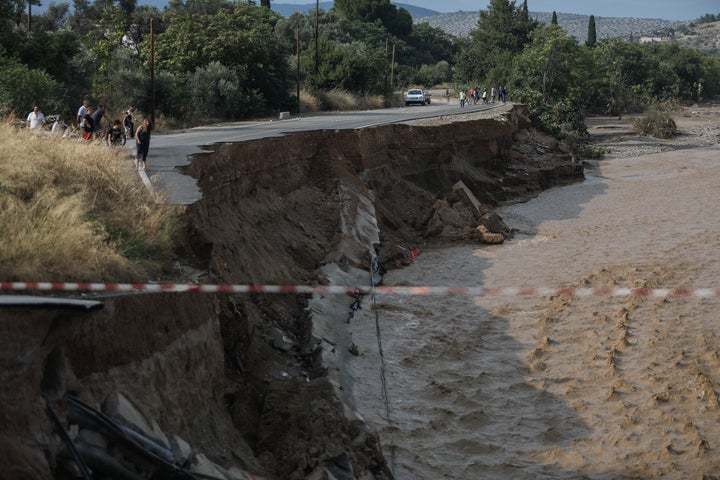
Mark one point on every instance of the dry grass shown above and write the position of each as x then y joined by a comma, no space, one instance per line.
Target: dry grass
309,102
70,211
337,100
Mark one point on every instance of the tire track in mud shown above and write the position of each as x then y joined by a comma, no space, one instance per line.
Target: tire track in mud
650,367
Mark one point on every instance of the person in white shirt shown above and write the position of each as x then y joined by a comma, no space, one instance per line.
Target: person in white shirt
82,111
59,126
35,119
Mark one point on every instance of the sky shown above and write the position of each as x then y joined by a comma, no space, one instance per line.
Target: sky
665,9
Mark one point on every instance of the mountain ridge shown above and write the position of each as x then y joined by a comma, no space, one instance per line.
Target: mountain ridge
460,24
287,9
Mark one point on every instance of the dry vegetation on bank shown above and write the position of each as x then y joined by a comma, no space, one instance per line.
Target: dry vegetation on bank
337,100
70,211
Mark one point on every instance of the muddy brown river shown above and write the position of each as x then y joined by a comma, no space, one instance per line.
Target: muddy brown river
561,387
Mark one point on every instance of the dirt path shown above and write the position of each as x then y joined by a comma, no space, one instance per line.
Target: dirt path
562,387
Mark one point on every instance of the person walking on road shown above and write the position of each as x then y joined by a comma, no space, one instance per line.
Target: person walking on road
142,141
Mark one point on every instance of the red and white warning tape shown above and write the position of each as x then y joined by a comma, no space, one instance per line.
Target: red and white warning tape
362,290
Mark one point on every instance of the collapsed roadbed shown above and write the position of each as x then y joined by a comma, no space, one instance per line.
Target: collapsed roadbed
257,386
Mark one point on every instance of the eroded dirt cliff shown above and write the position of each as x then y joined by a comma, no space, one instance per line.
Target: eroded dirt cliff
258,383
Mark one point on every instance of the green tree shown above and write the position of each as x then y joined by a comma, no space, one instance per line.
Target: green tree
548,63
22,87
215,91
428,45
55,18
591,35
554,20
139,28
198,7
242,38
442,72
502,31
49,51
106,41
397,21
353,67
546,77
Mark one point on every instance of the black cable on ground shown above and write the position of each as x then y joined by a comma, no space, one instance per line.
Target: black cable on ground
60,431
375,270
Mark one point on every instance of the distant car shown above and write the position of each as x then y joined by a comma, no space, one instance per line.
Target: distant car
426,95
415,95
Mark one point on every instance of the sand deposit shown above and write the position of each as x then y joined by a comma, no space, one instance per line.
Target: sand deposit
563,387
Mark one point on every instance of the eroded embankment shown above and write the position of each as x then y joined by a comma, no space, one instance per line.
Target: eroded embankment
264,383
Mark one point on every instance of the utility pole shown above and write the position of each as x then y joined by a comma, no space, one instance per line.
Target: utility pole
317,36
297,54
385,81
152,73
392,69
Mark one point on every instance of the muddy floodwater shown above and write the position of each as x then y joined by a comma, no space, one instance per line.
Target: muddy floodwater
560,387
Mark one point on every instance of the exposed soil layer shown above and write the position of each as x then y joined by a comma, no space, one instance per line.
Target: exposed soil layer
264,383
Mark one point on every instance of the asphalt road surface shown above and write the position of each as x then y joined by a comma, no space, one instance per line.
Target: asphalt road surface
171,150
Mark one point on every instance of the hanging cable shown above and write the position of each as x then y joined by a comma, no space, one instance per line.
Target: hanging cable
375,270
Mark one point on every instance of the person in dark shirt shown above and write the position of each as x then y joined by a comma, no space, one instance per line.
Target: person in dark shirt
142,140
115,134
97,117
88,125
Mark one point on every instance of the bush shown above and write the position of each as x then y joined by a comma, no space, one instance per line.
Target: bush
215,91
21,88
657,124
591,152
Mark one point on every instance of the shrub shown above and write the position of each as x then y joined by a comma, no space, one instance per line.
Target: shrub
215,91
591,152
657,124
21,88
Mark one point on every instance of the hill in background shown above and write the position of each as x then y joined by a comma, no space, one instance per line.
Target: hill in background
287,9
460,24
705,37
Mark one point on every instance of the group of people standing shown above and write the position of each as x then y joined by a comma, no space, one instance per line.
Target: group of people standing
89,122
475,96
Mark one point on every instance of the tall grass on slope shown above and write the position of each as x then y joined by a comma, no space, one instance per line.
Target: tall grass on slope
70,211
337,100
